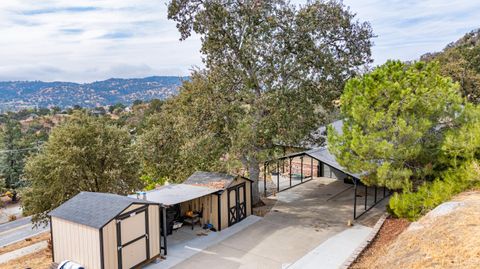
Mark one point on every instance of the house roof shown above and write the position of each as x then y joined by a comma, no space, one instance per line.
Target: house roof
177,193
94,209
210,179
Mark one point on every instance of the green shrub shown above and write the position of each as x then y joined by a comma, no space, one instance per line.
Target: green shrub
413,205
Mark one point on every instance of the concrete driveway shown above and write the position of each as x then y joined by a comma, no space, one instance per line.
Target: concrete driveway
303,218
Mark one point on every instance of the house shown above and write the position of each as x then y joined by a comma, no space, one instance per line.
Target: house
103,230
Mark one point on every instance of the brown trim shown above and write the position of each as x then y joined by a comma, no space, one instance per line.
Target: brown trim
127,214
164,231
251,198
133,203
102,258
147,232
51,239
219,209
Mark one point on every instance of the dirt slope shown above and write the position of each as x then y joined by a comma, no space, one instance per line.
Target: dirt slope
447,237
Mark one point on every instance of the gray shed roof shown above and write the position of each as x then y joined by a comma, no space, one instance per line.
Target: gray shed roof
94,209
177,193
210,179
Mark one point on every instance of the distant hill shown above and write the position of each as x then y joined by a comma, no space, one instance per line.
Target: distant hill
15,95
461,61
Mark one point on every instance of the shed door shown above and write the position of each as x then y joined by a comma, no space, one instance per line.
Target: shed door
132,238
237,204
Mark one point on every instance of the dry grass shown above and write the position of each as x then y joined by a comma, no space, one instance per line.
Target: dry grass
24,243
39,260
448,241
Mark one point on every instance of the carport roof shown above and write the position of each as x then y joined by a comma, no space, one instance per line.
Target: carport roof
94,209
323,155
177,193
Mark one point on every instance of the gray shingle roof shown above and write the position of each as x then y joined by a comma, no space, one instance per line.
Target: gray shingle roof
94,209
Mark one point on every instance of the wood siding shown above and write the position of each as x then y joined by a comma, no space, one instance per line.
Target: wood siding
224,200
76,242
154,229
197,204
132,207
110,235
110,245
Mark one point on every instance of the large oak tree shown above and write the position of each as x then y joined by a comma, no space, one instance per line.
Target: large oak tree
280,65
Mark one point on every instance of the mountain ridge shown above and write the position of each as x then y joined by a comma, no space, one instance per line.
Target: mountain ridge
16,95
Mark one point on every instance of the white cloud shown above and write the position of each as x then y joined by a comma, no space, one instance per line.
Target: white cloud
86,40
406,29
91,40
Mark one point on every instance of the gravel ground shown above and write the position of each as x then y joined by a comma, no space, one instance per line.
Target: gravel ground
389,232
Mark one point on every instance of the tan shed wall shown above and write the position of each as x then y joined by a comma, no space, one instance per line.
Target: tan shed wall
110,236
224,200
154,229
134,254
132,207
110,245
214,209
224,209
133,227
76,242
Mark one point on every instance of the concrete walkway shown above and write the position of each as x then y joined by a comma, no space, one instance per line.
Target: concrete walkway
22,252
303,218
332,253
180,252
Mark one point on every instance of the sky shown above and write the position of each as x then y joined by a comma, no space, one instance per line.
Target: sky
89,40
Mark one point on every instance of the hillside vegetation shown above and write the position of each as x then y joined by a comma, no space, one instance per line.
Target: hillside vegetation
461,61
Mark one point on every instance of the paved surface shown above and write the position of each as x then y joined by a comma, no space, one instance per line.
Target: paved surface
23,251
15,231
8,210
303,218
332,253
179,252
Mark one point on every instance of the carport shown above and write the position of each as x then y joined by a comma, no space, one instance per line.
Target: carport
297,168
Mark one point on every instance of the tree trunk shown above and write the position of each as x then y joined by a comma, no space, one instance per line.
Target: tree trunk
254,174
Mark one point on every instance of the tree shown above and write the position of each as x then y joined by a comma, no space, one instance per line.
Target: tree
154,106
279,65
13,153
461,61
55,110
84,153
395,122
137,102
117,108
190,133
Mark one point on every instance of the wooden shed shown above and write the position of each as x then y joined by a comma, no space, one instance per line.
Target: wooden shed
233,200
102,230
